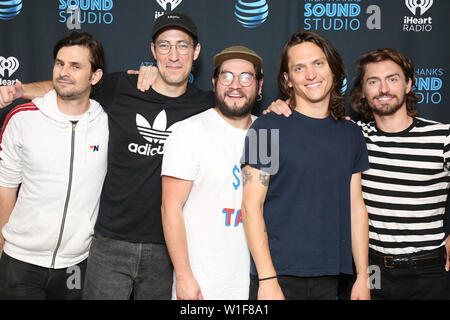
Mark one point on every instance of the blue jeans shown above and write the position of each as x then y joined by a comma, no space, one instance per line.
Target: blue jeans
301,288
117,268
24,281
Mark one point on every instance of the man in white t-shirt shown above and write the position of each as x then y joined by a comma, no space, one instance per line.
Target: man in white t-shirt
202,188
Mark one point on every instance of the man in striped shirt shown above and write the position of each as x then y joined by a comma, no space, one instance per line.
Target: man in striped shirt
406,187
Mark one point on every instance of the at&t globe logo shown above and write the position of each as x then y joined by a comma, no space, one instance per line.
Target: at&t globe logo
344,86
9,9
251,13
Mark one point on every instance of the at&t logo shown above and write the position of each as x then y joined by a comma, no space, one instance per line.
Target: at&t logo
251,14
9,9
344,86
418,24
7,67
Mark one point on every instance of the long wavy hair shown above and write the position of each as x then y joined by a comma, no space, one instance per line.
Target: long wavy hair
358,103
337,100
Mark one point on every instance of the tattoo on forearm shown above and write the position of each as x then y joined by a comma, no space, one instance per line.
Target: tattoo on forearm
246,177
264,178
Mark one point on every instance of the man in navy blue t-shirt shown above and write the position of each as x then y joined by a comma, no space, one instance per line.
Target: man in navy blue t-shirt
303,210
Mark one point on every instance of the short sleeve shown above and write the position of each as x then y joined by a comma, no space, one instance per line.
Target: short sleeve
181,157
361,159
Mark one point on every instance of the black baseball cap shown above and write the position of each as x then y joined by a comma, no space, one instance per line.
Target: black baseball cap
173,19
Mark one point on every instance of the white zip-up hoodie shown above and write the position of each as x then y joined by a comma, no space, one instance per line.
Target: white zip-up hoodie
52,222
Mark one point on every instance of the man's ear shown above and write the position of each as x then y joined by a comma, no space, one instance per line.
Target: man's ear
96,76
152,49
197,51
286,78
409,86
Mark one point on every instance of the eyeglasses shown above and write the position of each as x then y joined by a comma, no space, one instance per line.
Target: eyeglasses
245,78
163,47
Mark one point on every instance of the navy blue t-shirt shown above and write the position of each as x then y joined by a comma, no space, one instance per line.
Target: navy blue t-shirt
307,206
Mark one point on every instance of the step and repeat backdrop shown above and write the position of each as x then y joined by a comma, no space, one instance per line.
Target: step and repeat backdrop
417,28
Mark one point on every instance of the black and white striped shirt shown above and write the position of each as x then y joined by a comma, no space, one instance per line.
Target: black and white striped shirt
405,189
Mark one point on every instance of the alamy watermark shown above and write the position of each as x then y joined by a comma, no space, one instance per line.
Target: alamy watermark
374,280
74,280
258,149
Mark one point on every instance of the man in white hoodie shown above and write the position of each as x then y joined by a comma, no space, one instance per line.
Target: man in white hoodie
53,154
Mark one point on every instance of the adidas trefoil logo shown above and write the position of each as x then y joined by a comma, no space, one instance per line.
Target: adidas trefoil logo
155,134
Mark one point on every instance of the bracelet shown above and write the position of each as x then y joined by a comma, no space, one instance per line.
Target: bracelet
148,63
263,279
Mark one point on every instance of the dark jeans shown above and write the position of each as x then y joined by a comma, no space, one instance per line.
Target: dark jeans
302,288
411,283
117,268
448,285
24,281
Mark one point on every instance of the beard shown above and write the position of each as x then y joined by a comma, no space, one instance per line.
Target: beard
67,93
233,111
386,110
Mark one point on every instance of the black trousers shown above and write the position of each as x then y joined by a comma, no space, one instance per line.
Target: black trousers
411,283
23,281
301,288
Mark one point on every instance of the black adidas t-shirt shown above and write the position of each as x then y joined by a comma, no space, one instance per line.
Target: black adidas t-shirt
139,124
